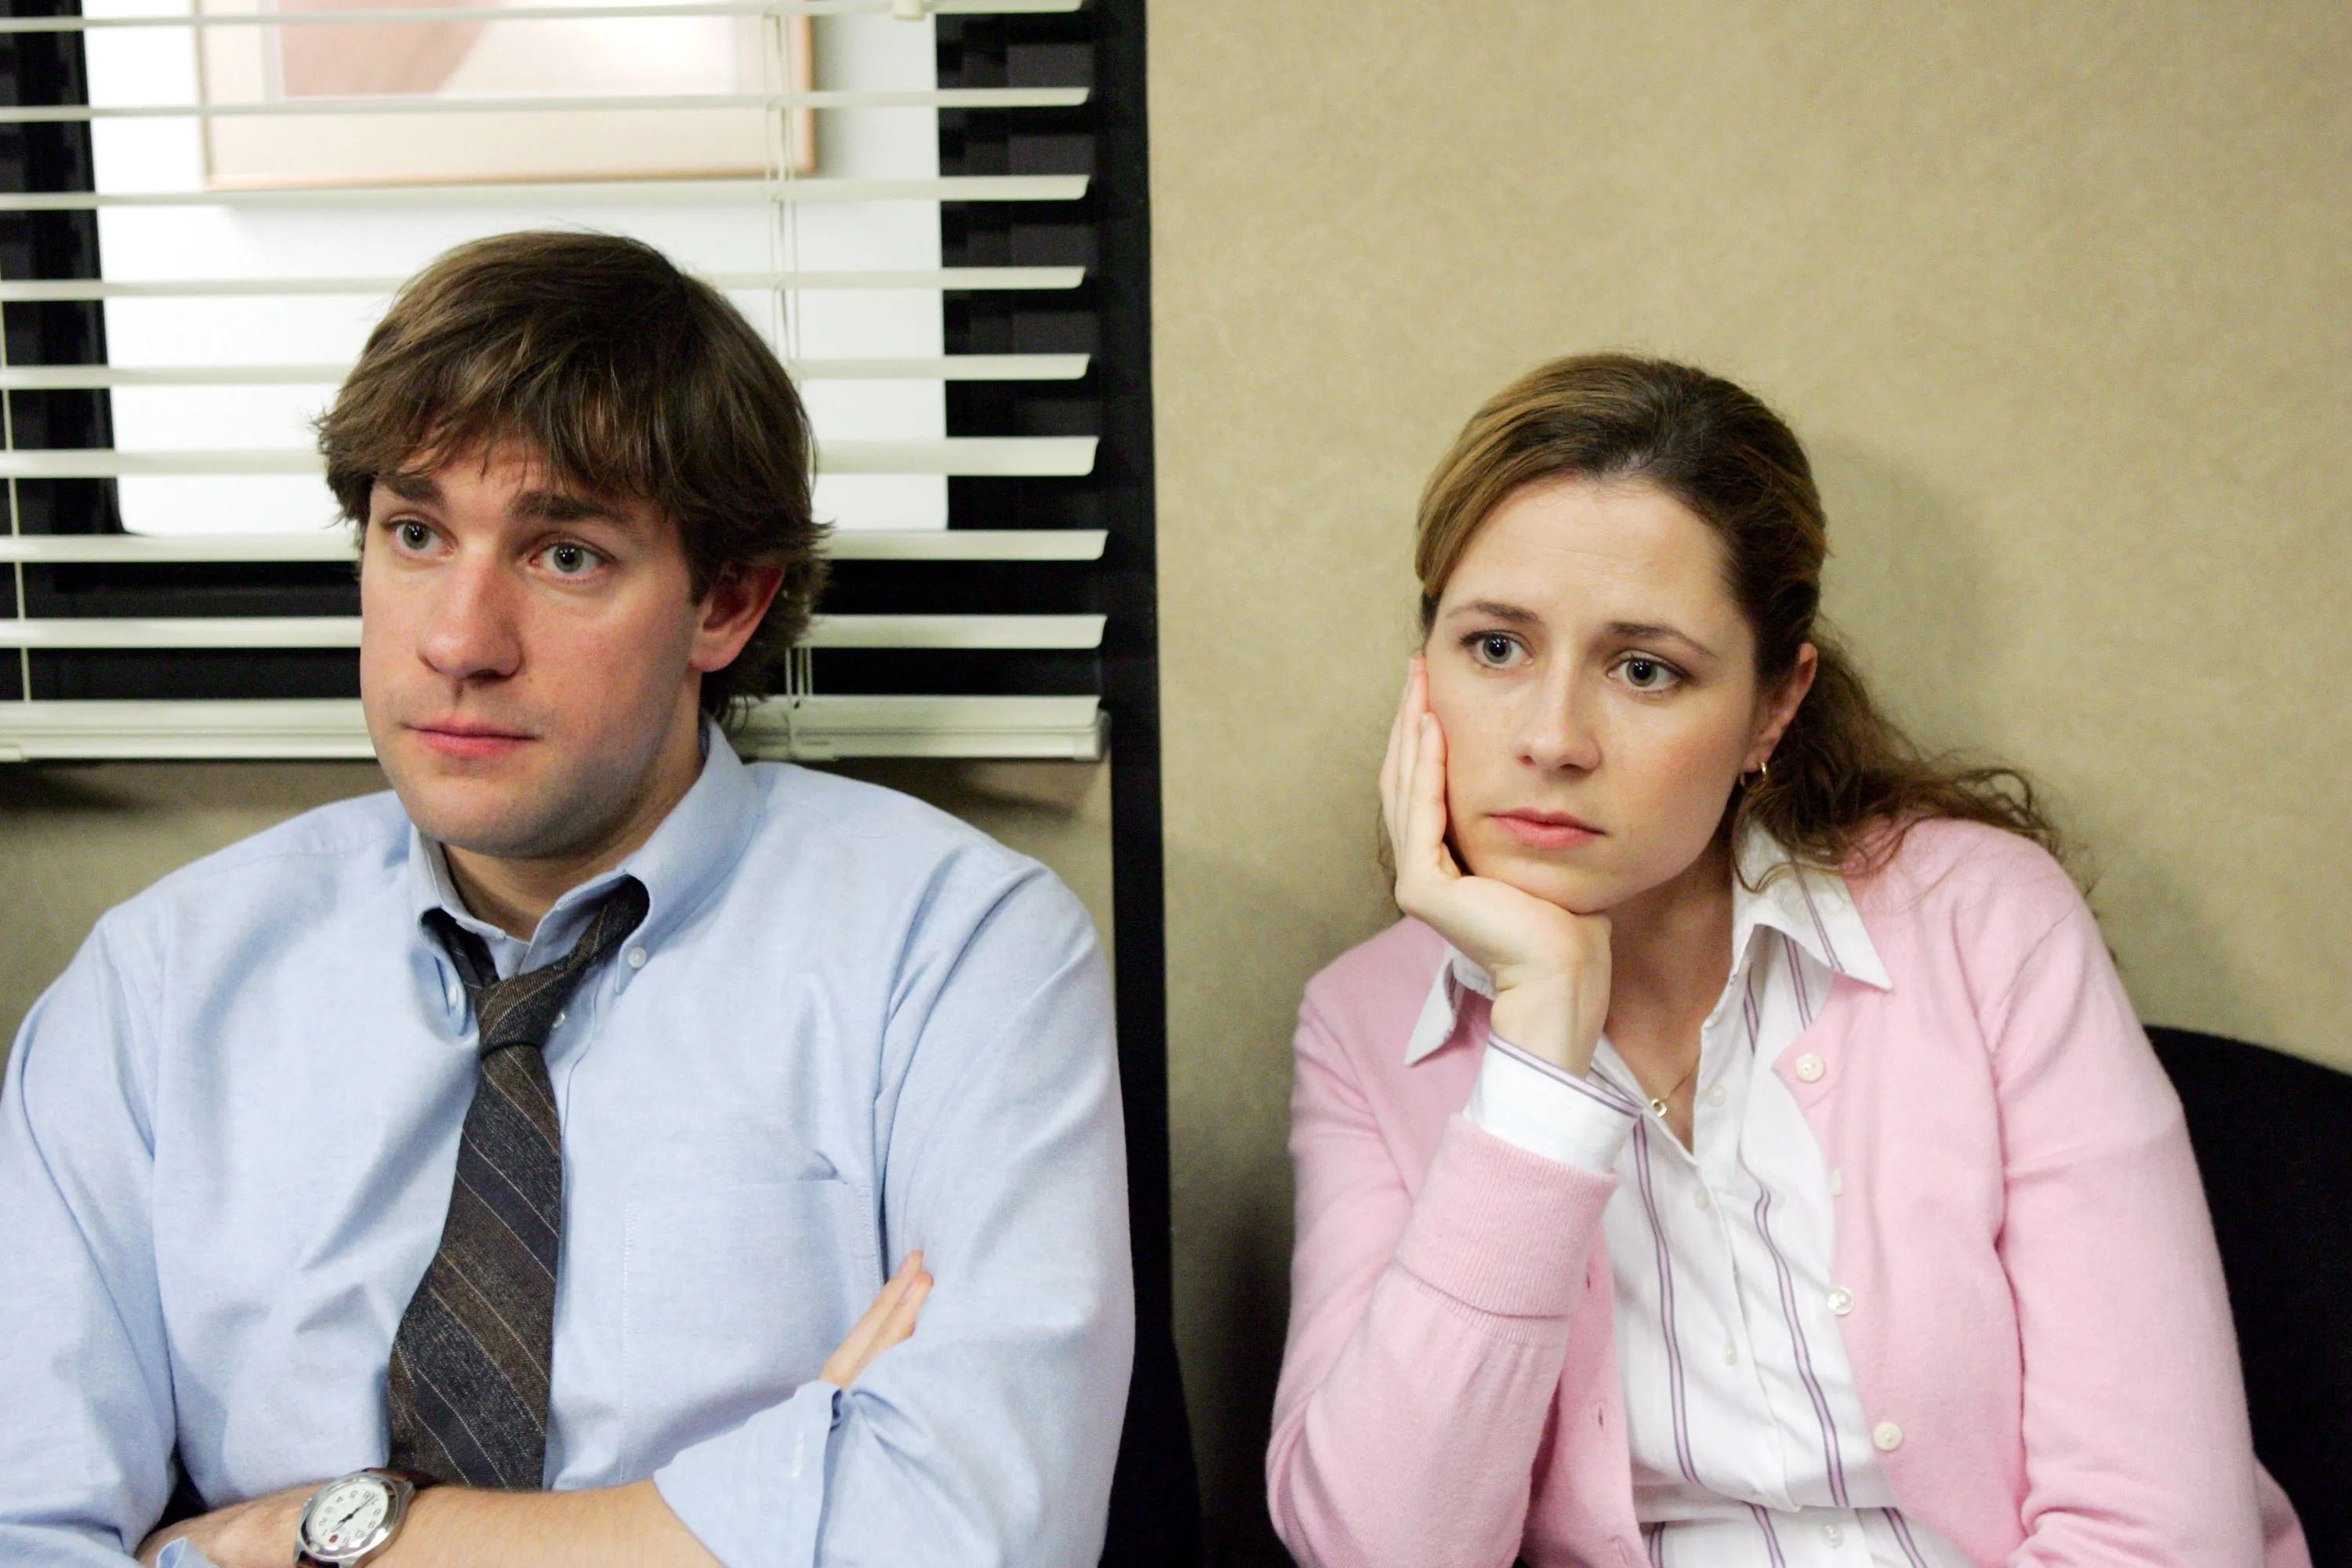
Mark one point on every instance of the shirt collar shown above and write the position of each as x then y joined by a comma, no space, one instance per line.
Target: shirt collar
689,854
1813,906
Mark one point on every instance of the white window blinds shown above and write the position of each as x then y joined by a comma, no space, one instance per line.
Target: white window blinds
210,207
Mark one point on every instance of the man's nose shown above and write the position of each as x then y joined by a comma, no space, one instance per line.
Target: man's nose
473,630
1556,730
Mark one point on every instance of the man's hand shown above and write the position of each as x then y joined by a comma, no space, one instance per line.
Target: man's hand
258,1532
888,1320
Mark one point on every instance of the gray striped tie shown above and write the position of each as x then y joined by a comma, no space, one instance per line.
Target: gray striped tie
469,1364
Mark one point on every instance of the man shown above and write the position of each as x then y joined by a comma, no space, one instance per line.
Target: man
504,1169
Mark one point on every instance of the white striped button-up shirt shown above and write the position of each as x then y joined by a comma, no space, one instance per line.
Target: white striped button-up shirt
1749,1441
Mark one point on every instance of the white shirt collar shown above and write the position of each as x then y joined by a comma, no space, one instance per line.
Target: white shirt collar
1813,906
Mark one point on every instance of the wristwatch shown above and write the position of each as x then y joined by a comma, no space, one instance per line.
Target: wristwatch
349,1521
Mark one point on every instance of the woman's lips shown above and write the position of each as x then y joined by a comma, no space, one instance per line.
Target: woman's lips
1544,830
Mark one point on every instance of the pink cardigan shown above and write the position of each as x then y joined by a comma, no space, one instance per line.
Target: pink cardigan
2044,1318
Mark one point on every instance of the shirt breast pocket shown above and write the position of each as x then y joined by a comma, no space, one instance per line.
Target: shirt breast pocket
733,1296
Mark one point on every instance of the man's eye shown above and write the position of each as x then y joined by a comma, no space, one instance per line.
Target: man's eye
572,560
411,535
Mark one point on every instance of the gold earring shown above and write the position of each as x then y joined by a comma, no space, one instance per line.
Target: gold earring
1763,771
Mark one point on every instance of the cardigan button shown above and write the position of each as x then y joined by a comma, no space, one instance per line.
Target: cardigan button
1887,1436
1810,1069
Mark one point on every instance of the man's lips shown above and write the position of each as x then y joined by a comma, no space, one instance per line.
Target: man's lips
468,737
1546,829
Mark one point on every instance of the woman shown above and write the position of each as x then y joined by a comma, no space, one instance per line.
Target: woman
1744,1152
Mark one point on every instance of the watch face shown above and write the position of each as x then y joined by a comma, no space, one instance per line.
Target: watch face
347,1519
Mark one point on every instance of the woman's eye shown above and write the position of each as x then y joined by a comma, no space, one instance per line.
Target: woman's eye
572,560
1493,648
1648,674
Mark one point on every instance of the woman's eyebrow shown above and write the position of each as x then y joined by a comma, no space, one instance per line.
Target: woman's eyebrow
1494,610
1646,631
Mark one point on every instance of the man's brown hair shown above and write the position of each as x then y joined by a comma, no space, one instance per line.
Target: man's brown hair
628,377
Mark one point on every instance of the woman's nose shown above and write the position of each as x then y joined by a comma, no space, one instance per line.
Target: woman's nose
1556,731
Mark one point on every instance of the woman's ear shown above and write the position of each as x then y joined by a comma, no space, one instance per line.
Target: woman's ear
1776,708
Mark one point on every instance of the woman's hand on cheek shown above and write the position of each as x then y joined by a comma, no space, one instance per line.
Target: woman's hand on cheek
1551,967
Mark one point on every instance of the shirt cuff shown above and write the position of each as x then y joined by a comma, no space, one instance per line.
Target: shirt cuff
754,1494
182,1553
1544,1109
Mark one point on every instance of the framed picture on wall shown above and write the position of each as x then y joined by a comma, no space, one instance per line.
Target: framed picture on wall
564,59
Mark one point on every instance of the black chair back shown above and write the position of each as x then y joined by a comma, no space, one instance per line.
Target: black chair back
2273,1141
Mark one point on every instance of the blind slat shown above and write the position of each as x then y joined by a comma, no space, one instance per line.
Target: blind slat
941,98
567,193
804,729
997,457
539,13
846,545
967,632
956,367
63,290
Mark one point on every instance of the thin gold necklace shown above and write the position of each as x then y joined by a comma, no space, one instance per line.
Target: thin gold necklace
1658,1102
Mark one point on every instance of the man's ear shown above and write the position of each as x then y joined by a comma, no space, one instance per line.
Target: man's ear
730,613
1779,707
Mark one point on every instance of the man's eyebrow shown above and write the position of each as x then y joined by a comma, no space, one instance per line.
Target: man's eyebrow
419,489
1646,631
560,506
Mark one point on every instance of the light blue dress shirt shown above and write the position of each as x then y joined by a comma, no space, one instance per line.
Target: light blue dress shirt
849,1026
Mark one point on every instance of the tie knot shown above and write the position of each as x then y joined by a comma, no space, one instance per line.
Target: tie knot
522,1010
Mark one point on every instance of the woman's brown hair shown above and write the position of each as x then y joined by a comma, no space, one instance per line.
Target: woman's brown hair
1845,784
628,378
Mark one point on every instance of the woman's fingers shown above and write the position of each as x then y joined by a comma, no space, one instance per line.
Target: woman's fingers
1431,791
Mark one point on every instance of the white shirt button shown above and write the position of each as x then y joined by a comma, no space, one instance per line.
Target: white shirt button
1887,1436
1731,1355
1837,1184
559,1020
1700,1199
638,956
1715,1096
1841,1300
454,992
1810,1069
1833,1534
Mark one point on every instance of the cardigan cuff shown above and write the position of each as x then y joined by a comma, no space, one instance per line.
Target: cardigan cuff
1501,1229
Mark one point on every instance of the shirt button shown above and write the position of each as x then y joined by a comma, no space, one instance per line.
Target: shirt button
1715,1096
1701,1200
454,992
559,1020
1887,1436
1833,1534
1841,1300
1837,1184
1810,1069
1731,1355
638,956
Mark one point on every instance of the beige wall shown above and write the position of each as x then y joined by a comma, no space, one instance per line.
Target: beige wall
75,841
2057,296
